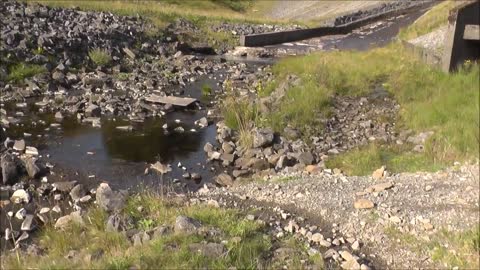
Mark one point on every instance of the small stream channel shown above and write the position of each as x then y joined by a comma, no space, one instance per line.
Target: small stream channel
91,155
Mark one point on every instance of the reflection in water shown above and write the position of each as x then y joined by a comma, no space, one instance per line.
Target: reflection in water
150,141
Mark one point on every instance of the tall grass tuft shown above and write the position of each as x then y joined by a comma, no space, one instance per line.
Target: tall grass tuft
100,57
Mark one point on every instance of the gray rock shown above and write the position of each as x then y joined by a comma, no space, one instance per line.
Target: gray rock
306,158
159,232
116,223
73,218
186,225
211,250
28,224
208,147
31,166
262,137
77,192
20,196
64,186
19,145
109,200
93,111
291,133
224,179
196,176
10,169
227,148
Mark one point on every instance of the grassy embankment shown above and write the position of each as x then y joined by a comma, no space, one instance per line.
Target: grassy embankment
247,243
448,250
430,100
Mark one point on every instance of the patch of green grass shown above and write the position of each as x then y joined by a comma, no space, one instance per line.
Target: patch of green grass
364,160
122,76
447,249
17,73
237,5
206,90
172,250
100,57
430,21
430,100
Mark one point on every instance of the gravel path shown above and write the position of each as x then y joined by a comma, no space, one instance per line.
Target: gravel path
418,204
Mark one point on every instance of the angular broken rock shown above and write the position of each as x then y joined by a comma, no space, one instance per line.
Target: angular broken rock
109,200
30,150
77,192
224,179
186,225
9,165
65,221
378,174
211,250
28,223
262,137
64,186
379,187
32,169
161,168
363,204
20,196
19,145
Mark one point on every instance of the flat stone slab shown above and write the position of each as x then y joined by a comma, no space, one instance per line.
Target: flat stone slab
177,101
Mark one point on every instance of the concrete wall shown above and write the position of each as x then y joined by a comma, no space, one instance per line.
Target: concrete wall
302,34
458,50
425,55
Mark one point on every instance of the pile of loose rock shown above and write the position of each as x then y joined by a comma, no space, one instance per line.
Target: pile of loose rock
238,29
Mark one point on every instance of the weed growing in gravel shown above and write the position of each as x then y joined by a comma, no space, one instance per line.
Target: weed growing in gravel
364,160
100,57
19,72
448,249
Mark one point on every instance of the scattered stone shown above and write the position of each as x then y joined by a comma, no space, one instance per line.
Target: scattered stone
73,218
28,224
19,145
77,192
363,204
20,196
379,187
186,225
262,137
378,174
109,200
211,250
30,150
224,179
64,186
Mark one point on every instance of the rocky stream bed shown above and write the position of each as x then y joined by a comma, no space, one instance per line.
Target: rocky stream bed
77,124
